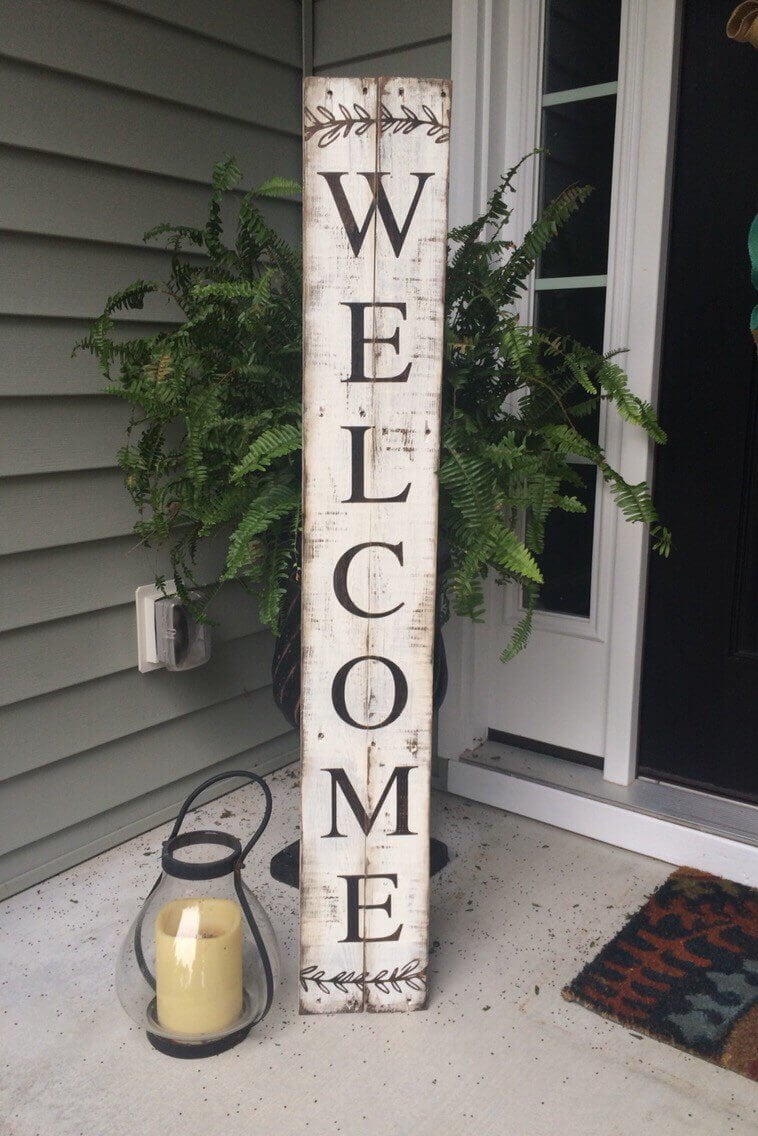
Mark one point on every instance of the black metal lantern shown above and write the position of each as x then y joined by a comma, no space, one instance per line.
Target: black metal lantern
200,963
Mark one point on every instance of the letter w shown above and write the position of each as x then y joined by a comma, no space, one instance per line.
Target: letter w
356,235
340,780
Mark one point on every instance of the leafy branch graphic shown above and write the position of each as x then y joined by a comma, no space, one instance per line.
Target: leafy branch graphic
408,120
330,126
412,975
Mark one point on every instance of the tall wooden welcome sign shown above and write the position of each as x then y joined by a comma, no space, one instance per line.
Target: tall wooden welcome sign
375,214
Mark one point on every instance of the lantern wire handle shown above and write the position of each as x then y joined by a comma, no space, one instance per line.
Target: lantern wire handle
253,778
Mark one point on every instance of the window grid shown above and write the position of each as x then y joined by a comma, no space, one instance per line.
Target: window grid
568,558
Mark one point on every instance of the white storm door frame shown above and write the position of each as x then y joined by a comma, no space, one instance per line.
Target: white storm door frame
497,60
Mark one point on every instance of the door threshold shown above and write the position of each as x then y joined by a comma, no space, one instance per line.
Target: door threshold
668,822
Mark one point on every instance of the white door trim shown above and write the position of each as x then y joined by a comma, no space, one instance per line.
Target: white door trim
492,77
640,212
496,64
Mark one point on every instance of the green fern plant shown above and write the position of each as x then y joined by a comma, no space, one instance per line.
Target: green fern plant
515,402
213,447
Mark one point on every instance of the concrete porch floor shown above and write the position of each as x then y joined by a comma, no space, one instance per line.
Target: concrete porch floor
514,916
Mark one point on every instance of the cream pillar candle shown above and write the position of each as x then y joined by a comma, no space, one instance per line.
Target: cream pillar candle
198,965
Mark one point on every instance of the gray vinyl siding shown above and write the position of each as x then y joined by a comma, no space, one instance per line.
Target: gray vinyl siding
113,114
383,37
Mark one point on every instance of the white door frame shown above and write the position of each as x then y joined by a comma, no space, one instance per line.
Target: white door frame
496,67
496,62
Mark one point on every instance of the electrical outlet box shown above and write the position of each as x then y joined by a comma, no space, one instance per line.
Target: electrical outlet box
182,643
167,633
145,598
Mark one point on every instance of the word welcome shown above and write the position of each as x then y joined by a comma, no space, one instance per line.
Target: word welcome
374,247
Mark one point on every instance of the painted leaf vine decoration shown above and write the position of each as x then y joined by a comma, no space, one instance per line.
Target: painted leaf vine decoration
330,126
409,120
412,975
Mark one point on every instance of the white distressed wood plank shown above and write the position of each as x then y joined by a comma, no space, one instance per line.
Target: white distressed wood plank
348,389
409,417
330,634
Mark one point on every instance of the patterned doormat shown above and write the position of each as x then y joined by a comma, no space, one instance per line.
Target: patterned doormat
684,970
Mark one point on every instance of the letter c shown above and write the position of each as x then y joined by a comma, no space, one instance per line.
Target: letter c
340,578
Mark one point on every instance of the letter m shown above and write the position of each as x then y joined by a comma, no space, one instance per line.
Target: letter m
341,781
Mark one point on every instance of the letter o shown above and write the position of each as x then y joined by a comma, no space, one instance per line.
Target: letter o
338,692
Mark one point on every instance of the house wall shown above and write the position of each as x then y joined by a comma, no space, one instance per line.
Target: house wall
383,37
113,114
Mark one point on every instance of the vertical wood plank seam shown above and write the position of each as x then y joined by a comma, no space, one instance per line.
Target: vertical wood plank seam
369,623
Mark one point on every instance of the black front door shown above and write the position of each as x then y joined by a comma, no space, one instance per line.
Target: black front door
699,708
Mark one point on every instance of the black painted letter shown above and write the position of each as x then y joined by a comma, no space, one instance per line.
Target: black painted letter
338,692
340,578
340,780
359,339
357,236
354,906
358,470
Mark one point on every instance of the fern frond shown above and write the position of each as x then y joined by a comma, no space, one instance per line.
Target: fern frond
274,500
273,443
272,580
661,538
277,187
523,629
177,233
226,174
131,298
612,380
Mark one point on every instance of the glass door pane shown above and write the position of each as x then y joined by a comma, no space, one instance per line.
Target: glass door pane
581,43
580,75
